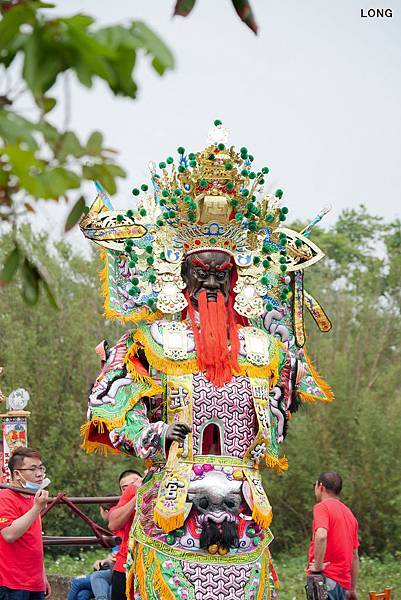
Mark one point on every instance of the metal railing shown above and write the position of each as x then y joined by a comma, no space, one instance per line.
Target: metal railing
101,536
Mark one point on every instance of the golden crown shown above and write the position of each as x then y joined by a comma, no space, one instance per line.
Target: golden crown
213,199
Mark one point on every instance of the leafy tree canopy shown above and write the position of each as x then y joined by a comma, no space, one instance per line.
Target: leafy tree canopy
38,160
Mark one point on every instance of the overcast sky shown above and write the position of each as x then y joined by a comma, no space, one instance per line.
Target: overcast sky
315,96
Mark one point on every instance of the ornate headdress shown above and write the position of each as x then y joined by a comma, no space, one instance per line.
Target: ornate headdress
210,200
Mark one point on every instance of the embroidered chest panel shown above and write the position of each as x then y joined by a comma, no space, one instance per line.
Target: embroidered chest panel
230,408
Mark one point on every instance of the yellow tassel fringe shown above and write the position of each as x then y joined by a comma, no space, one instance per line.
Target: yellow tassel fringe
170,523
129,583
279,464
324,386
186,367
100,423
262,581
140,573
160,585
262,519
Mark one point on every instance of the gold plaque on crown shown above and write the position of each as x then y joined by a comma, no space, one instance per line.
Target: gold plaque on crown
214,208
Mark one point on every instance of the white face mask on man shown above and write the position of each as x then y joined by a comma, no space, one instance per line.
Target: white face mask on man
35,486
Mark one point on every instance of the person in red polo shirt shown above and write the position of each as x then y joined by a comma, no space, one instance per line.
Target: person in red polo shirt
120,520
22,574
334,547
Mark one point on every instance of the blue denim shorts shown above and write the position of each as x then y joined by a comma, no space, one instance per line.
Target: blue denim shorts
335,590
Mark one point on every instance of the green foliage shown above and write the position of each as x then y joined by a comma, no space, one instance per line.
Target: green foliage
38,160
51,353
358,434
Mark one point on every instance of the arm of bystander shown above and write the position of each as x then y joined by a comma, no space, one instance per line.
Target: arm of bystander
21,524
351,593
120,514
320,545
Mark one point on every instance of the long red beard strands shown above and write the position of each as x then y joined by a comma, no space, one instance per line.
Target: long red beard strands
212,341
218,328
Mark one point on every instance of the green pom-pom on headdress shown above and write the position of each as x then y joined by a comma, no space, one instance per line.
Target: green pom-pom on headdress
217,122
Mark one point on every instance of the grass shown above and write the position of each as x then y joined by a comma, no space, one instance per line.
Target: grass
375,574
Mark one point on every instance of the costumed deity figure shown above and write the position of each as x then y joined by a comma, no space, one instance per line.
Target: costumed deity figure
202,386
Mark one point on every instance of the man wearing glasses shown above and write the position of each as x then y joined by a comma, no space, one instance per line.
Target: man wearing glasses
22,574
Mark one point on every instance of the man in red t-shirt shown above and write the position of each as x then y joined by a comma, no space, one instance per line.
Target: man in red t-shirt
334,547
22,574
120,520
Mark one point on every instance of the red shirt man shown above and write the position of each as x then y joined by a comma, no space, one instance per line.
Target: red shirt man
334,546
22,575
120,520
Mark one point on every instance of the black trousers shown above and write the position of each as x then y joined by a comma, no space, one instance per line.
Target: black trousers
8,594
118,581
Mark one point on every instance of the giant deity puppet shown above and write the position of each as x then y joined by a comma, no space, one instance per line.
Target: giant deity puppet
204,383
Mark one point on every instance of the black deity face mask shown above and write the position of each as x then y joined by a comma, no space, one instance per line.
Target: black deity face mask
208,271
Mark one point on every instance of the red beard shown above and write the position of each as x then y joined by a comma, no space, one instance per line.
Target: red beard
217,329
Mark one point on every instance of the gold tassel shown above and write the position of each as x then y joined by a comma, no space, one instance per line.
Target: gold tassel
150,558
262,580
278,464
167,366
320,382
129,583
140,573
160,585
261,518
169,523
187,367
100,423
